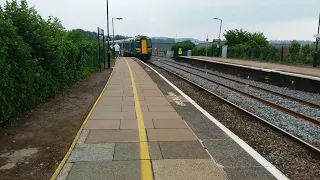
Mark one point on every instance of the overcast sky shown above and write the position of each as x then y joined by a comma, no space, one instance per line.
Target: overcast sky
277,19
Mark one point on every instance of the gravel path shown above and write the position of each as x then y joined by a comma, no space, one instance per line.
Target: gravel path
300,128
290,157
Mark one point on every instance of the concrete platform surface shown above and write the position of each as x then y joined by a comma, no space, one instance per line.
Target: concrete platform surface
137,130
267,65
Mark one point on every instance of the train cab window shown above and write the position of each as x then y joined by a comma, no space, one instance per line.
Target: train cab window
138,44
149,45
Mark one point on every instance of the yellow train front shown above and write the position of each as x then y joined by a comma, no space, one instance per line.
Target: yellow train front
139,46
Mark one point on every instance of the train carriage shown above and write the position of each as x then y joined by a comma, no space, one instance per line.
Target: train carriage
139,46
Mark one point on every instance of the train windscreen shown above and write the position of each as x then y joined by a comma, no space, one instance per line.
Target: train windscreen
138,44
149,44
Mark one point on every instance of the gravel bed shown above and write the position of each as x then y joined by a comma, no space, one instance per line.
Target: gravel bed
290,157
310,97
300,128
284,102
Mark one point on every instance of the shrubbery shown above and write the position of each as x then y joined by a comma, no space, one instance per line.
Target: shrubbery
184,45
38,58
246,45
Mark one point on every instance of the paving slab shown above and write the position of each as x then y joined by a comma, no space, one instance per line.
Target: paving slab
113,98
129,124
183,150
114,91
161,115
128,98
249,173
103,136
154,98
105,170
102,124
161,108
115,103
132,108
65,171
131,151
147,85
83,136
170,135
92,152
111,108
112,115
155,103
116,94
229,154
114,87
169,124
186,169
119,82
155,94
140,89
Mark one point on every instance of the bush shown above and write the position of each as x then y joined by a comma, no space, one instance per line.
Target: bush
185,45
294,50
307,54
201,51
38,58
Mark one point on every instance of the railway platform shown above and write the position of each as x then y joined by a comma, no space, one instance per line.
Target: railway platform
293,77
306,72
143,127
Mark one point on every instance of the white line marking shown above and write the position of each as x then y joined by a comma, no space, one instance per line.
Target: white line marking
266,164
176,99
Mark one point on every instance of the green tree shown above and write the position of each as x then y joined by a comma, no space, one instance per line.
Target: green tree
268,52
307,53
235,37
201,50
184,45
168,40
294,50
93,36
119,37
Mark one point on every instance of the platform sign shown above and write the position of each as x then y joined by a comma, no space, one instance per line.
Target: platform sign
316,35
100,31
180,51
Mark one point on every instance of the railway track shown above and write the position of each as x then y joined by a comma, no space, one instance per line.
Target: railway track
251,85
274,105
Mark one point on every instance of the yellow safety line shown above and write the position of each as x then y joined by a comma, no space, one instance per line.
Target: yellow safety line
145,163
66,156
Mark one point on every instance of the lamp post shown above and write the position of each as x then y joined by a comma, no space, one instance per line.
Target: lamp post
219,33
113,28
315,57
108,36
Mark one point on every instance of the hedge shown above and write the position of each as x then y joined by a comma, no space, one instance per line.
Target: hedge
38,59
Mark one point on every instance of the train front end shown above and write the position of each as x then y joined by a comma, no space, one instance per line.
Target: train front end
143,47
